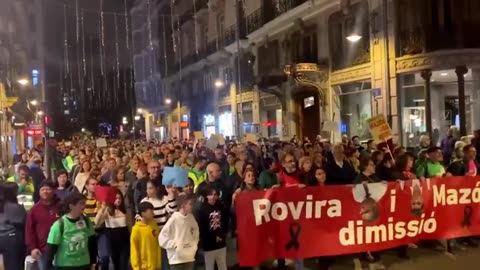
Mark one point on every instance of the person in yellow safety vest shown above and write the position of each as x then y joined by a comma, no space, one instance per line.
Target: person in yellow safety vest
25,186
198,173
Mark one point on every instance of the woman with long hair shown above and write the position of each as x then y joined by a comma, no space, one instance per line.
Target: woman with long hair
12,227
82,177
114,216
117,179
72,243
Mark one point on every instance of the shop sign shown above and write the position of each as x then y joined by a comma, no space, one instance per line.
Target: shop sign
184,124
34,132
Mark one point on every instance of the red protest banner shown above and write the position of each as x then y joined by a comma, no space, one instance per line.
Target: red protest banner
334,220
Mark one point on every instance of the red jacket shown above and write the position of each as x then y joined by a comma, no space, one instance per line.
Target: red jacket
39,221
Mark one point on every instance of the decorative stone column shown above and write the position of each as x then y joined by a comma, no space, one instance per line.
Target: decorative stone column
427,76
461,71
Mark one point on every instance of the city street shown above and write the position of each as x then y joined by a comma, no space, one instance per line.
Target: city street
420,259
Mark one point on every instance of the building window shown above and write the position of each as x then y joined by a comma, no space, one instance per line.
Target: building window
444,105
354,106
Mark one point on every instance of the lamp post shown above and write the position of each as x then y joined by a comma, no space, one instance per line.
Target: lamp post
219,85
168,101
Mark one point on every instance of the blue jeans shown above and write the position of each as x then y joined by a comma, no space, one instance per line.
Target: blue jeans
165,264
103,246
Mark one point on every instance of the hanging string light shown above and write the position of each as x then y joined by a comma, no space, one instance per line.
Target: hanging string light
164,33
65,42
84,61
77,21
127,43
117,50
172,7
149,24
195,25
180,45
102,24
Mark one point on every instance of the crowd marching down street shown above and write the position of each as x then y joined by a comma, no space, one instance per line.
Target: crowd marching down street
148,205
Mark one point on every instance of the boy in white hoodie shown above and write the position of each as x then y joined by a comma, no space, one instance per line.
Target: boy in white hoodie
180,235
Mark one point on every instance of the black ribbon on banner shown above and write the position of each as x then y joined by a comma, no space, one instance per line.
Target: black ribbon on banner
467,216
294,232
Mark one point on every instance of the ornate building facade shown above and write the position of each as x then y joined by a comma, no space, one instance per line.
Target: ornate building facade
306,63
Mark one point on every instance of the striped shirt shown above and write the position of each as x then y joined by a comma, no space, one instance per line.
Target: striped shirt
162,209
91,209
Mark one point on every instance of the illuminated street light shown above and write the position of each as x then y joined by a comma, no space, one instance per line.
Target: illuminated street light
40,113
23,82
168,101
140,110
124,120
354,37
218,84
137,117
34,102
83,130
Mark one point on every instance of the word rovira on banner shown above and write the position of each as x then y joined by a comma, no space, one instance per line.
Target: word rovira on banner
333,220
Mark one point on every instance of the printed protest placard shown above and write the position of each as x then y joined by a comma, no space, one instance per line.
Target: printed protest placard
380,129
175,176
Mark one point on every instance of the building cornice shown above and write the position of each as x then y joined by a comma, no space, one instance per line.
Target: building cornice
351,74
445,59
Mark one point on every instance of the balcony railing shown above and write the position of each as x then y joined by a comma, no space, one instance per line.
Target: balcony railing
263,15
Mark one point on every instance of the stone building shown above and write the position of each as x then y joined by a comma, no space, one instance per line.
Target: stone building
305,63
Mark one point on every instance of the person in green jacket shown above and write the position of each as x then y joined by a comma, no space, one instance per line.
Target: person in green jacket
68,162
25,186
433,167
197,173
268,177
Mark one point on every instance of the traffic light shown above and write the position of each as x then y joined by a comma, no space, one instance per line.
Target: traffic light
46,120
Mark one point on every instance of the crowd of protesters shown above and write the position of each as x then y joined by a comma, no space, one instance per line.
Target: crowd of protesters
58,222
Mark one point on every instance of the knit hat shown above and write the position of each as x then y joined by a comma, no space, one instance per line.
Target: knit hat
47,183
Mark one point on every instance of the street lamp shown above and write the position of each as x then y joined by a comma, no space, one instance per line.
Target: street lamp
137,117
354,37
124,120
218,84
168,101
40,113
34,102
140,110
23,81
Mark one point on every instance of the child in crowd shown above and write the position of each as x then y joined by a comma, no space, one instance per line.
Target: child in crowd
144,249
63,185
71,242
212,220
180,235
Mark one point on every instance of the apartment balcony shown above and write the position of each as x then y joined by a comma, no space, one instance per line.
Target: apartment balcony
265,14
200,6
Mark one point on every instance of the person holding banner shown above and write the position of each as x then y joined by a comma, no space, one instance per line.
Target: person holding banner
113,215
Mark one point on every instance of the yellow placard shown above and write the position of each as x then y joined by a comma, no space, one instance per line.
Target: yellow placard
198,135
220,139
379,128
251,138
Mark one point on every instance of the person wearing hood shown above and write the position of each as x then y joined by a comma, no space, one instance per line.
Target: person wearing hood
180,235
212,222
39,221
